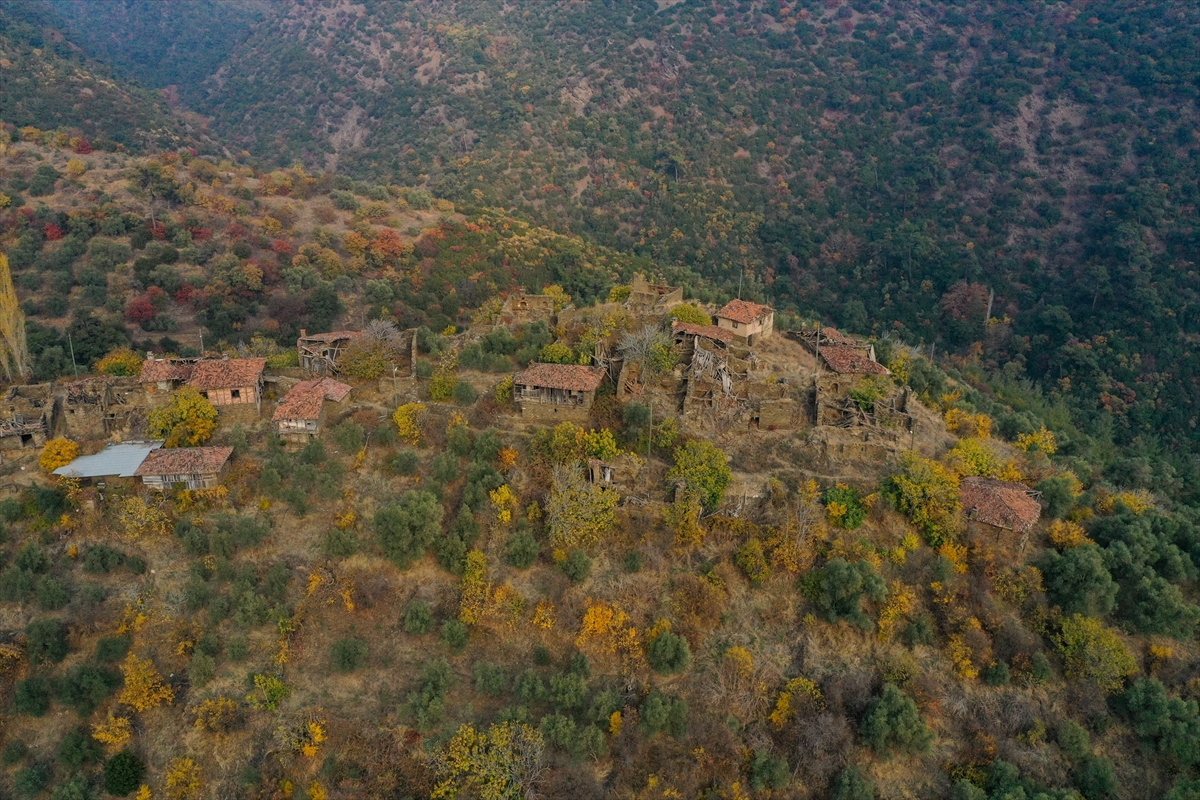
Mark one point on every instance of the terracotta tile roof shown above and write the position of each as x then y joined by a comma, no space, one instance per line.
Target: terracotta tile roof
332,336
156,370
184,461
743,311
999,503
306,399
851,361
573,377
835,337
220,373
707,331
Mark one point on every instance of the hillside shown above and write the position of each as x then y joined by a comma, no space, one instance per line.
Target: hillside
884,165
432,593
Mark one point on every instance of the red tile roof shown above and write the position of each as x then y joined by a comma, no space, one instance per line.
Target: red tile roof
572,377
707,331
743,311
332,336
999,503
220,373
851,361
184,461
835,337
306,399
156,370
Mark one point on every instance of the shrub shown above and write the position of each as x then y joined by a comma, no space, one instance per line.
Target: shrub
85,687
577,566
405,528
1096,778
1168,725
14,753
752,561
669,653
405,462
31,696
489,678
845,506
123,773
428,703
529,688
78,748
522,549
201,670
464,393
1074,741
418,618
1093,653
997,674
112,648
893,724
349,654
1079,582
568,690
30,781
51,593
340,543
851,784
666,713
455,634
349,436
46,641
686,312
839,588
767,772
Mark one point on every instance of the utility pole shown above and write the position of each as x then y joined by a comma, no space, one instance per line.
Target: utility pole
72,346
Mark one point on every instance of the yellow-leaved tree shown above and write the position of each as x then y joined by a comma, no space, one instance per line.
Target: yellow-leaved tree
57,453
578,513
928,493
1094,654
503,762
144,686
14,352
121,361
188,420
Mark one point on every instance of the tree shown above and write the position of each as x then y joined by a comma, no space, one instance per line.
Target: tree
578,512
928,493
46,641
686,312
894,725
144,686
1170,726
1093,653
668,653
14,351
839,588
406,527
121,362
188,420
851,784
1078,582
123,773
58,452
703,469
502,763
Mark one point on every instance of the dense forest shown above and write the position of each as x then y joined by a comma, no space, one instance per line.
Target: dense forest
430,599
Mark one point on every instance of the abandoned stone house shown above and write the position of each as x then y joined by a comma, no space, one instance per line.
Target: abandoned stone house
320,352
652,297
520,308
554,392
95,408
687,332
165,374
230,381
28,416
1000,504
302,412
749,322
185,467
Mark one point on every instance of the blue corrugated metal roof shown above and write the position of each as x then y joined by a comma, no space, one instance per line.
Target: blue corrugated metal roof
114,461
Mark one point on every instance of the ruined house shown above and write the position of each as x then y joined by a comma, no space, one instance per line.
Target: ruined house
94,408
749,322
165,374
652,298
520,308
120,460
26,416
302,412
319,353
230,381
554,392
186,467
1000,504
684,333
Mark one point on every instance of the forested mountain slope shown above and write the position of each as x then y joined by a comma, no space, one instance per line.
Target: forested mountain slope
46,80
860,160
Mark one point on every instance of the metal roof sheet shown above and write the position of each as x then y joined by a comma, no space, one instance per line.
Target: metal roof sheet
116,460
